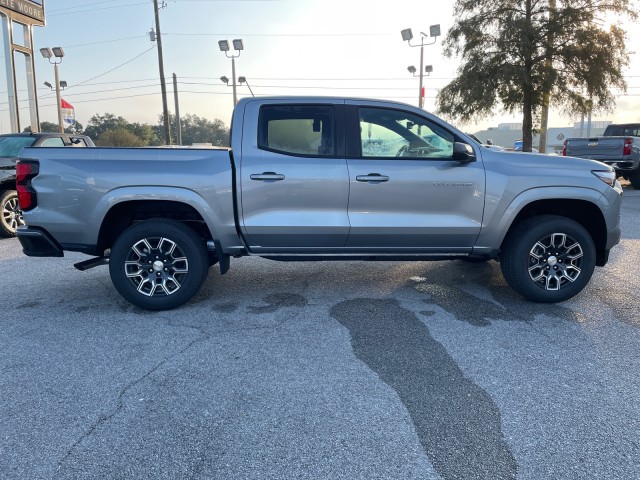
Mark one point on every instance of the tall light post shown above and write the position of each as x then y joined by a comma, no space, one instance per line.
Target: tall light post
238,47
407,35
55,53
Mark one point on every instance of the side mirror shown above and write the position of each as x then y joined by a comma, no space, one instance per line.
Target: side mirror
463,152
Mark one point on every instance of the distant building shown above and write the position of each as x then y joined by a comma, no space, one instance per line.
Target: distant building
507,134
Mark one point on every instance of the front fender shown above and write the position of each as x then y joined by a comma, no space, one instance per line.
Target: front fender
500,215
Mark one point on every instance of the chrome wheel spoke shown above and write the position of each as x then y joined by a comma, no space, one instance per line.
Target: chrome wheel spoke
156,266
555,261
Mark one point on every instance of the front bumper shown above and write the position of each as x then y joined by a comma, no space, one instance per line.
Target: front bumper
37,242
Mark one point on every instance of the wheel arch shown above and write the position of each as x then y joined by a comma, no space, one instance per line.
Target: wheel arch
124,214
584,212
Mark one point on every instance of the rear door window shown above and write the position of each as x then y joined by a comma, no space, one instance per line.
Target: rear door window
300,130
52,142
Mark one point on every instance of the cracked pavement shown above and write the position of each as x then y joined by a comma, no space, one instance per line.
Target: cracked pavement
335,370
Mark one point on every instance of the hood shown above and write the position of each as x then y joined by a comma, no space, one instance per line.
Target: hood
536,160
8,162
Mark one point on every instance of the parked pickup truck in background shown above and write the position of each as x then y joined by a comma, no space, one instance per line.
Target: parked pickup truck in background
619,147
10,146
320,178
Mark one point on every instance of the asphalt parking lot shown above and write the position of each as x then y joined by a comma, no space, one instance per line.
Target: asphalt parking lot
326,370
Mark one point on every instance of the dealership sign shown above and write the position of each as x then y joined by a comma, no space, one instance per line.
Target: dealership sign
18,18
33,9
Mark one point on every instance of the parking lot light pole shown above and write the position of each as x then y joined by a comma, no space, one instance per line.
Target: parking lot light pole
49,54
238,46
407,36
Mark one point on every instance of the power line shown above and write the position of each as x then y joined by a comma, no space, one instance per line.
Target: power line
105,41
85,5
72,12
280,34
114,68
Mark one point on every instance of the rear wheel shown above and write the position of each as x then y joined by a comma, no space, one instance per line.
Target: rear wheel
11,216
548,258
158,264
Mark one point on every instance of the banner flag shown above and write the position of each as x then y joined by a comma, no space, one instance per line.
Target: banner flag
68,112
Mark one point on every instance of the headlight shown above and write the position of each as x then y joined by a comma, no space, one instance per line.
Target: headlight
607,176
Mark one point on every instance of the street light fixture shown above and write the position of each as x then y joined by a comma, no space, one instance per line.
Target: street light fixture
63,85
407,36
53,54
238,46
427,70
244,80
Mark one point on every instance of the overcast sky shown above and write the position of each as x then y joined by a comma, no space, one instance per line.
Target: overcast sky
292,47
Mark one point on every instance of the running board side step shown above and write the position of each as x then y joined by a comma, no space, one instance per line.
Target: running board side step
92,262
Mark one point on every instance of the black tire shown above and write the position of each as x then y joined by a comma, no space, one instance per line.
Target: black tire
158,264
548,258
10,215
634,179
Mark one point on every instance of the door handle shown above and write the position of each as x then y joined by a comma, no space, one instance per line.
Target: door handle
268,176
372,178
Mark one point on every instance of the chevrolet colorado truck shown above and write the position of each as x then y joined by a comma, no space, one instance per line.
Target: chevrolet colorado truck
318,178
10,146
619,147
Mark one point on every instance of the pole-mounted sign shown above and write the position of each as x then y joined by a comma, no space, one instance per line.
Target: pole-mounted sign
32,9
17,15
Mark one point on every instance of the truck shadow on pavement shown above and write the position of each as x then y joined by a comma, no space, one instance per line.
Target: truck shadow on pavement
457,422
443,287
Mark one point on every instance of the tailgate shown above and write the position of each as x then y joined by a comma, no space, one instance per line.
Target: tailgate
600,148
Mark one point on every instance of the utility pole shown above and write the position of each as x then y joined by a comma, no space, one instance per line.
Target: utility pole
175,95
163,85
546,95
58,98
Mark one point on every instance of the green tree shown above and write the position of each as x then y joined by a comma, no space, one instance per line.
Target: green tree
145,132
514,54
50,127
119,137
196,129
99,124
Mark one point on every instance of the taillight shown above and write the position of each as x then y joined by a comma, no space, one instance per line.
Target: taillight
627,146
564,149
25,171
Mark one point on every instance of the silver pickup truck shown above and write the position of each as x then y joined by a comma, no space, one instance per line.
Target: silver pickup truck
320,178
619,147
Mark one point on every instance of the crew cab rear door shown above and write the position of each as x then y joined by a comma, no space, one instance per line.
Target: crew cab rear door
294,183
407,192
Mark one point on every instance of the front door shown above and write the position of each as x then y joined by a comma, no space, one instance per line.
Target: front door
407,193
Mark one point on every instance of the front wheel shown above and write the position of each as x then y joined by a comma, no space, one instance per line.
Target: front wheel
11,216
158,264
548,258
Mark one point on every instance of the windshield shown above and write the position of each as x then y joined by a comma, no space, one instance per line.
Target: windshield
11,146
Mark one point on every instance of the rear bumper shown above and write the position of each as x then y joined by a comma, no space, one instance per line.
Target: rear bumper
37,242
623,165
